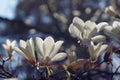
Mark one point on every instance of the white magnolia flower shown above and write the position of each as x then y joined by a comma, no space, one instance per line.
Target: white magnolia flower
26,49
84,31
9,47
95,50
47,51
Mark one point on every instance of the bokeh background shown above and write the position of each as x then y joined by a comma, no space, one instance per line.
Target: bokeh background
22,19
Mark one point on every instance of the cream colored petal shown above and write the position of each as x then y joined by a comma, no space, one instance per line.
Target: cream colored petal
103,48
88,28
29,50
23,43
116,27
91,49
85,34
48,46
57,46
108,30
73,30
89,25
59,57
21,53
8,42
13,43
98,38
79,23
116,24
101,26
92,33
39,47
97,52
5,47
31,44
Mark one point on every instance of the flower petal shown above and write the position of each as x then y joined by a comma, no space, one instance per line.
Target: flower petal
103,48
59,57
8,42
91,49
22,43
108,30
39,47
48,46
79,23
57,46
98,38
21,53
90,28
101,26
74,31
13,43
29,50
5,47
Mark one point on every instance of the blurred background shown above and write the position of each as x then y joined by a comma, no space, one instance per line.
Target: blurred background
22,19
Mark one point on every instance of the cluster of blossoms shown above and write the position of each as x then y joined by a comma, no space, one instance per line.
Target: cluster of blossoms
45,52
94,35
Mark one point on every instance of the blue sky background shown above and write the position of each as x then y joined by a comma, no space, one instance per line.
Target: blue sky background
7,8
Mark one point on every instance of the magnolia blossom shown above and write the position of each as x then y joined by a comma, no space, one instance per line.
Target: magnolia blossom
26,49
9,47
95,50
84,31
47,51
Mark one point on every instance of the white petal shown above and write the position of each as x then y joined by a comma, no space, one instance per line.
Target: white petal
103,48
91,49
57,46
48,46
74,31
79,23
39,47
108,30
8,42
59,57
101,26
89,25
29,50
98,38
21,53
89,29
4,46
92,33
31,44
22,43
13,43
